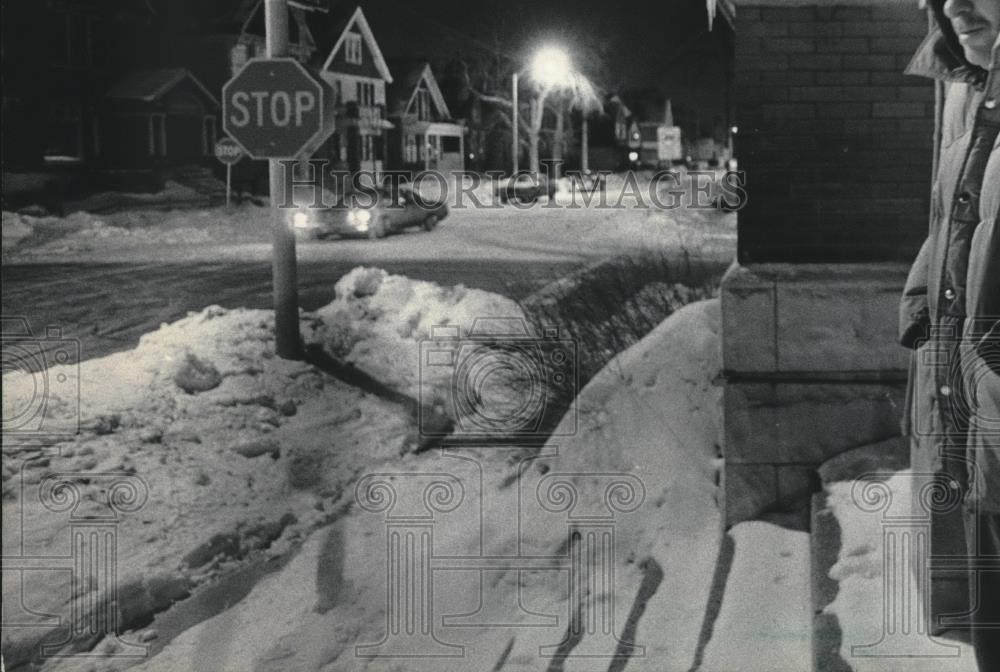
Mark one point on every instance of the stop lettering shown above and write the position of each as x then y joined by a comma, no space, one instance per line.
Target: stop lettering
270,108
276,109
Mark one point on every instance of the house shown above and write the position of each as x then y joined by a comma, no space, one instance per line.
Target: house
214,39
158,115
424,136
61,59
358,75
610,134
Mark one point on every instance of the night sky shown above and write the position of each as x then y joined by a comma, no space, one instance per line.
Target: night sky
662,45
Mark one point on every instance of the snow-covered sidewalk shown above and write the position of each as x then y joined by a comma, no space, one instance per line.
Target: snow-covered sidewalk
879,605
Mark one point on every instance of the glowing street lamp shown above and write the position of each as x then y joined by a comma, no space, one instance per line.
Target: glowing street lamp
551,67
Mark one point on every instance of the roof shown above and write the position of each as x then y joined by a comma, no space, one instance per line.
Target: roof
410,75
358,20
153,83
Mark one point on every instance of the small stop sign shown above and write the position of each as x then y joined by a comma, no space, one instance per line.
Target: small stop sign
228,151
275,109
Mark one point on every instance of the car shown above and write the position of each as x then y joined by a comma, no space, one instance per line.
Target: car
526,189
371,215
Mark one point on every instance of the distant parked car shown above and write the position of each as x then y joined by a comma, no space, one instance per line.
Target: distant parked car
369,217
526,189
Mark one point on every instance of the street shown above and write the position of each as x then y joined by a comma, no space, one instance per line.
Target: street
108,290
107,307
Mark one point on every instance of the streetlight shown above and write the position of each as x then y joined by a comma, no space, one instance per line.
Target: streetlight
551,67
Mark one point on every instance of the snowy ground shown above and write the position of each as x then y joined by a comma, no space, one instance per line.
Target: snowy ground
285,516
230,451
890,636
273,459
476,228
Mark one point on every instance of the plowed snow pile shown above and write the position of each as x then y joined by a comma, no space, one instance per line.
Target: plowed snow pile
230,450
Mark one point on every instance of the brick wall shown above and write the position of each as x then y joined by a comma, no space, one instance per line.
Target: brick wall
835,140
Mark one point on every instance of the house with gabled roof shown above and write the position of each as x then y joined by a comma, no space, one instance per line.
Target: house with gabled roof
424,137
359,76
159,116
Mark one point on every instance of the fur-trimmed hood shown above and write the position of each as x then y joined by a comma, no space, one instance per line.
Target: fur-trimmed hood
941,56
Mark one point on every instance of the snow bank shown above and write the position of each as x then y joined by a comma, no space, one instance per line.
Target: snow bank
859,573
639,467
130,229
247,465
384,324
15,229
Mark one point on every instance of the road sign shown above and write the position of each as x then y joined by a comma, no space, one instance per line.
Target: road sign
275,109
228,151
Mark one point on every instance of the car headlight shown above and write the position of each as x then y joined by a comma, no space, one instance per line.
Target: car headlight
300,220
359,218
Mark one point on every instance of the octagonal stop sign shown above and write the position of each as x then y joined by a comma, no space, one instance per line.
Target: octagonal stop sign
275,109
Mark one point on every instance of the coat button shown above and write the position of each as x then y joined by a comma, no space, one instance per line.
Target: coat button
964,197
949,294
990,104
945,391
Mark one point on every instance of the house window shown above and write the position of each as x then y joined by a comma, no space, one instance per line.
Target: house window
366,94
74,45
621,131
410,149
208,135
338,92
423,102
64,134
157,135
352,48
450,145
238,57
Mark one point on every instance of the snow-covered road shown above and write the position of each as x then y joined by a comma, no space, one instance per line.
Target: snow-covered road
108,282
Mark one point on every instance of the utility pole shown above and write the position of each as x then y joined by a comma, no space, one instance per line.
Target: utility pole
585,144
283,271
560,134
516,146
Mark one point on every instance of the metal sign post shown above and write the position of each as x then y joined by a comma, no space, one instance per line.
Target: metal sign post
283,265
514,121
275,109
229,152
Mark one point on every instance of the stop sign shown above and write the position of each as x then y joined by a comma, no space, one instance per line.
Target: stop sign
275,109
228,151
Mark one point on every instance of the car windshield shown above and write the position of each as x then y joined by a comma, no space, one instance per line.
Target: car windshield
372,196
